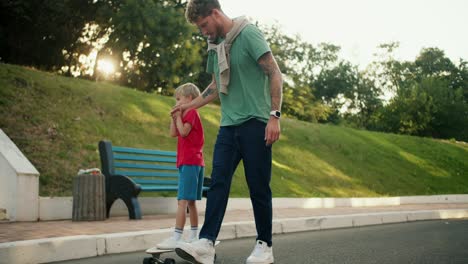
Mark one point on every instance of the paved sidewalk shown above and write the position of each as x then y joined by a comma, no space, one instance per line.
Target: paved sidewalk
19,231
48,241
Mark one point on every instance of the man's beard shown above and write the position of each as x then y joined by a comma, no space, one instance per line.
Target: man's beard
218,33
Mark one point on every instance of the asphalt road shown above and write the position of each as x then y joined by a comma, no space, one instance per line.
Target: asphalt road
417,242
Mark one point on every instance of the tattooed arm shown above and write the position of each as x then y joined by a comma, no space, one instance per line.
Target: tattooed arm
270,67
268,64
208,95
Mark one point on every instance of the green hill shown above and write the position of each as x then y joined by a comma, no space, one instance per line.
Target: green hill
57,123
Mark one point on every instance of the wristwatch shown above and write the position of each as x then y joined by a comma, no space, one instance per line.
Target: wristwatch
275,113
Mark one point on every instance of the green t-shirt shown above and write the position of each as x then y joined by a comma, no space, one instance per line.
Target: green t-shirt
249,87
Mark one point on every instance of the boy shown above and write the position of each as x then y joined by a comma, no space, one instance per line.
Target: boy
187,127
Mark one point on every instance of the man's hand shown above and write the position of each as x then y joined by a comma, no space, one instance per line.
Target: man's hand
178,107
272,131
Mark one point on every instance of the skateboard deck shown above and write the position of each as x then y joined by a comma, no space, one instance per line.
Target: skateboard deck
156,253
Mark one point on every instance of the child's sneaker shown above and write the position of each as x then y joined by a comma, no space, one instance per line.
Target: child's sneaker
169,243
261,254
200,251
190,240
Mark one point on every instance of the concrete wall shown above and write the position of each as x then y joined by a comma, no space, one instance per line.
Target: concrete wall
19,184
60,208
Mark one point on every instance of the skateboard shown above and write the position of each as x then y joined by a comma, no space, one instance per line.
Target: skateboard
157,252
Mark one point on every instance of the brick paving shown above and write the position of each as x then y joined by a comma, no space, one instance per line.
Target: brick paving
18,231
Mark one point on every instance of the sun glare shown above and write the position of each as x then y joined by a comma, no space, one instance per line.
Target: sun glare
106,66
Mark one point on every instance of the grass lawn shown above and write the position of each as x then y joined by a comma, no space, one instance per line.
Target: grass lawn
58,121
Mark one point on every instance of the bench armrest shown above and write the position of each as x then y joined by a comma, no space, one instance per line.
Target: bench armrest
122,185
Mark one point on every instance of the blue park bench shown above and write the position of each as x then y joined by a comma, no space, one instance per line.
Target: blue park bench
129,171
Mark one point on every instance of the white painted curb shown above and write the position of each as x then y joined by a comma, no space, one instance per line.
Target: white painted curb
60,208
65,248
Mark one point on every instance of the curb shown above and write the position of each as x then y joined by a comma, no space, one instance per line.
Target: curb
60,208
65,248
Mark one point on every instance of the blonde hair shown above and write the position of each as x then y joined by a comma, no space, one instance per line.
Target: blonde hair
187,89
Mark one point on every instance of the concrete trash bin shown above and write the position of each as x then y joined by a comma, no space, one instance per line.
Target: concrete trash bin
89,196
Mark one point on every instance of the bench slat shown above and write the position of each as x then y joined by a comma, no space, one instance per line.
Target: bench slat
164,188
144,151
144,166
159,188
146,173
155,182
143,158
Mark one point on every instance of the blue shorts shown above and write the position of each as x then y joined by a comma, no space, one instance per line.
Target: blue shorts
190,182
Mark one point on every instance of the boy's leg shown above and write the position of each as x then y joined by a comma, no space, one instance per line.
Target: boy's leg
257,159
226,157
171,242
193,214
192,204
190,185
181,215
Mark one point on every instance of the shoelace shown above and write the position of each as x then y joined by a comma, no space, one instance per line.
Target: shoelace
203,242
259,248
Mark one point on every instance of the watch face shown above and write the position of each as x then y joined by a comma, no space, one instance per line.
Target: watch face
276,114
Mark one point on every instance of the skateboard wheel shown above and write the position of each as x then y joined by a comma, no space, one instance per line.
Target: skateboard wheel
148,261
169,261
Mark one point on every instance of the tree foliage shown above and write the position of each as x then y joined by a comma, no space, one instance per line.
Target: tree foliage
149,40
155,49
430,97
152,40
35,33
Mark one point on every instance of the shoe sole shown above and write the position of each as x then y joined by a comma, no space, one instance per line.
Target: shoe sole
265,262
166,248
183,254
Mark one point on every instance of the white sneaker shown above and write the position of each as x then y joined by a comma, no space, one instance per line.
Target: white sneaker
190,240
200,251
261,254
168,243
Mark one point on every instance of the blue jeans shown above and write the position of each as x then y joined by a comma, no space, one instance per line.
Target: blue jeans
246,142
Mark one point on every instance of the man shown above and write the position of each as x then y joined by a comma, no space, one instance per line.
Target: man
248,81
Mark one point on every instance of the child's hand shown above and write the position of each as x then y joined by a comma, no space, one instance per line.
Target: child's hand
179,107
175,115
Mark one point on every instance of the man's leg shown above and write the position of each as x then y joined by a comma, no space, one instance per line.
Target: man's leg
257,159
257,163
226,157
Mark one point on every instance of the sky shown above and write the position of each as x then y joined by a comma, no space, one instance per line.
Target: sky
359,26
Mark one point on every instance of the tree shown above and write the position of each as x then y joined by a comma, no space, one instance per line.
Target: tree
432,62
428,95
366,102
410,112
333,81
149,40
297,60
154,45
36,33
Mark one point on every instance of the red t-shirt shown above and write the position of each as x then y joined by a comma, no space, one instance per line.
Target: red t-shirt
190,148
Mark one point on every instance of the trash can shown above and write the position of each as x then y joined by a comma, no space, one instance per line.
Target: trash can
89,194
